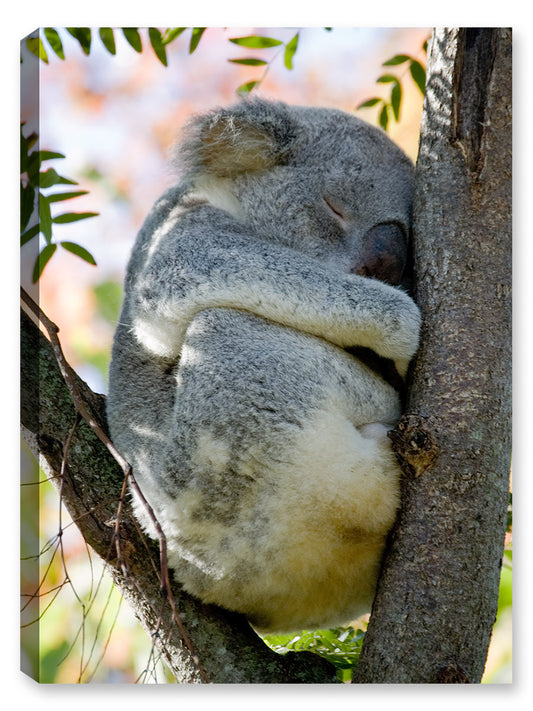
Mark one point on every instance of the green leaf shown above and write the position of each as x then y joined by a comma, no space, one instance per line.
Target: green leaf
51,177
196,36
79,251
32,167
396,100
384,117
108,39
45,218
256,41
397,59
290,49
133,37
83,35
156,40
419,75
28,141
58,197
247,88
249,62
29,234
27,204
171,33
386,79
49,155
24,150
72,217
54,40
370,102
36,47
42,260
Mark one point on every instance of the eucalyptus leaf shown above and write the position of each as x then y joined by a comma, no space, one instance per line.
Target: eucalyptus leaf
171,33
249,62
256,41
247,88
133,37
419,75
59,197
396,100
384,117
42,260
32,167
196,36
370,102
67,217
29,234
156,40
83,36
397,59
36,47
387,79
49,155
54,40
108,39
79,251
27,204
45,218
290,50
24,150
51,177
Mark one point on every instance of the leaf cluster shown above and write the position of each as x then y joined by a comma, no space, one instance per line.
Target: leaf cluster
390,108
33,181
51,40
341,646
259,42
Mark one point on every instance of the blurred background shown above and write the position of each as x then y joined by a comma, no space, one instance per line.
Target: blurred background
115,118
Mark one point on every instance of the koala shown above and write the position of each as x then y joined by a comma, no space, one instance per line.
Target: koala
237,392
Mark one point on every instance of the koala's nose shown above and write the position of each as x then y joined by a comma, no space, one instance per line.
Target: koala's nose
384,254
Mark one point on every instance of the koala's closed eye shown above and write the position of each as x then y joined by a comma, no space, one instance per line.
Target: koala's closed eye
337,210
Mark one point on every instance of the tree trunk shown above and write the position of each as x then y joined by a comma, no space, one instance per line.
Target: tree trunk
437,599
227,648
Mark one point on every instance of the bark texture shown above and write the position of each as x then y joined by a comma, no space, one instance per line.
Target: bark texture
227,648
437,599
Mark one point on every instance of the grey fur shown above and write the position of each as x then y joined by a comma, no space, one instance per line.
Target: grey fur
259,441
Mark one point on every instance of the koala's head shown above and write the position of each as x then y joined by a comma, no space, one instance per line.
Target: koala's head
315,179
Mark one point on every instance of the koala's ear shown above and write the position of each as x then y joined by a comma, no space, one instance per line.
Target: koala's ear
252,135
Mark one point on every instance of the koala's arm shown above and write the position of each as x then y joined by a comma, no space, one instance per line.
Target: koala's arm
203,259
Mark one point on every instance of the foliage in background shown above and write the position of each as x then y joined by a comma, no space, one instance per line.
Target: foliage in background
391,108
36,204
33,180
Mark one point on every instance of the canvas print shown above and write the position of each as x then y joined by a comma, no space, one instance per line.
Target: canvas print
266,355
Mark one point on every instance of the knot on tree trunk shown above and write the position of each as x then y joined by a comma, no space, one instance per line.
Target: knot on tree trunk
414,442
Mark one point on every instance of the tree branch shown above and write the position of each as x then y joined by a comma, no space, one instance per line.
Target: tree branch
437,598
92,488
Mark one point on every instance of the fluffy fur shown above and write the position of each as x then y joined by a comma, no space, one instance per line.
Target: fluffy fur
259,441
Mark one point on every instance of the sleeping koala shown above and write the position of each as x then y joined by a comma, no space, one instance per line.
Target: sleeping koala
255,433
